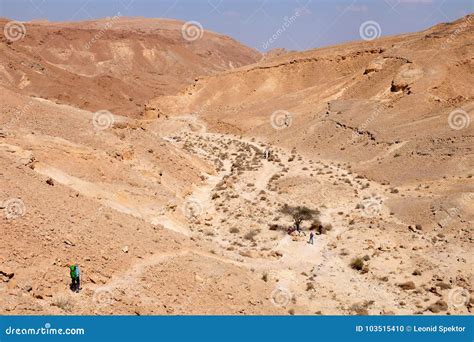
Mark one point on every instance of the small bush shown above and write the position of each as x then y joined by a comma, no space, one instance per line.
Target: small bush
320,228
251,235
273,227
361,308
63,303
315,224
357,264
326,228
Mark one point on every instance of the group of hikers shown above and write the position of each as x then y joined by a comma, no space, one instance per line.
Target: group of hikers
75,274
297,228
74,269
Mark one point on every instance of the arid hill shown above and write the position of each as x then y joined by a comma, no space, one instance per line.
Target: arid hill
394,93
397,108
114,64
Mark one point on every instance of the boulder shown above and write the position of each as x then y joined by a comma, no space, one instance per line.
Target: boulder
408,285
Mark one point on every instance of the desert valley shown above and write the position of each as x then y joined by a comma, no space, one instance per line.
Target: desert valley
170,169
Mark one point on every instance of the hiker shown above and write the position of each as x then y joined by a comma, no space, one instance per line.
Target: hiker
75,278
266,153
311,237
320,229
297,227
299,230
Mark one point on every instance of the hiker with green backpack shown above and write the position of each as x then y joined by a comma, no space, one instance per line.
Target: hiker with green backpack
75,278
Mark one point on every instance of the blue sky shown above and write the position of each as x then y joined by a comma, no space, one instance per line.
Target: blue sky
318,23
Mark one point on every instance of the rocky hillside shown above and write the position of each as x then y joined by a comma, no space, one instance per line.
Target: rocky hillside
391,96
115,64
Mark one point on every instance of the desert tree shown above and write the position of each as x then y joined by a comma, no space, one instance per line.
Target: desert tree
299,214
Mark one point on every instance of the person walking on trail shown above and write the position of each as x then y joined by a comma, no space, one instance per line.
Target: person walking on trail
299,230
311,237
266,153
75,278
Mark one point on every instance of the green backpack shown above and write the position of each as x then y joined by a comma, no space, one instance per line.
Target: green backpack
74,271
